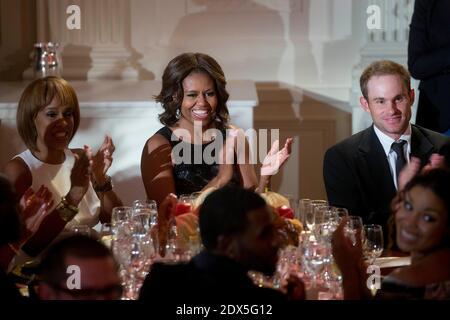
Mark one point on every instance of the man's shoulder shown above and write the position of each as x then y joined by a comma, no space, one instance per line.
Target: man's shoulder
435,137
163,278
352,143
171,268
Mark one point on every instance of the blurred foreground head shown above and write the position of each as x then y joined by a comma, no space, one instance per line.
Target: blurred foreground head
422,219
79,268
237,223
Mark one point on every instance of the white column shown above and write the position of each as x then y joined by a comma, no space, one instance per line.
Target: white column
100,49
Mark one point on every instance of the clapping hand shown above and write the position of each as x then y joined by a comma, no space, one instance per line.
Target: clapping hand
413,168
408,172
101,161
35,206
436,161
79,176
276,158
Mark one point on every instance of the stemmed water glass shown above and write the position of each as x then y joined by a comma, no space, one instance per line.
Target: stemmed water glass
145,214
145,217
341,212
309,213
373,243
120,218
303,207
315,255
353,226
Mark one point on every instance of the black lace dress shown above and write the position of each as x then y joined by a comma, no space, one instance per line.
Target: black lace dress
192,172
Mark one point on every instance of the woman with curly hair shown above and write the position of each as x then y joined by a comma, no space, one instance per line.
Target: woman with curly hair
196,149
422,229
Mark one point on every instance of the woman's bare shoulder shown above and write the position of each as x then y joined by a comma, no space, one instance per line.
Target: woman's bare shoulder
156,141
19,174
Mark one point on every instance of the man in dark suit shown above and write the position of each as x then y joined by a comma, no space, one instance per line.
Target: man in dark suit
361,172
429,61
238,234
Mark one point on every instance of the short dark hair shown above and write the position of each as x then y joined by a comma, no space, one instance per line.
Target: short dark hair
224,212
52,268
177,70
382,68
10,223
39,94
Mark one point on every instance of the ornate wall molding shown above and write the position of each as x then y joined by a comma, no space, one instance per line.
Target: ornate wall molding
100,49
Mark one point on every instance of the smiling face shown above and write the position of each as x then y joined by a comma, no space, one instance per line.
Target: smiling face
199,99
421,221
389,104
54,126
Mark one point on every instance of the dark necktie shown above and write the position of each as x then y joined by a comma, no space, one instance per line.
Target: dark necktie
401,161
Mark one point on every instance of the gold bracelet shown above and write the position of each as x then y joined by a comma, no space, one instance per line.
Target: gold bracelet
66,210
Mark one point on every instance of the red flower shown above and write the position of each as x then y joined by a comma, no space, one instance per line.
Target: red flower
182,208
285,212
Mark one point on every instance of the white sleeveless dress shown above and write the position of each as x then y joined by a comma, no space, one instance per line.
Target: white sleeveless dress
56,177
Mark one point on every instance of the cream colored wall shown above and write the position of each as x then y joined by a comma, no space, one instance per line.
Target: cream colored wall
300,42
17,35
315,124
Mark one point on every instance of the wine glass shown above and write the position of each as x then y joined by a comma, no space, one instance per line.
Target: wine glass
326,222
341,213
315,255
143,211
373,242
310,213
354,225
120,217
145,216
303,207
309,217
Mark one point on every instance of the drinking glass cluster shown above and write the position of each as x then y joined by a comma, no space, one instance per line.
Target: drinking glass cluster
312,260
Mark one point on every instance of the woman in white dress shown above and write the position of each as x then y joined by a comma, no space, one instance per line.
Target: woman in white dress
48,117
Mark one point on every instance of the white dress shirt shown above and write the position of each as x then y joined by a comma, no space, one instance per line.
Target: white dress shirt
391,156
